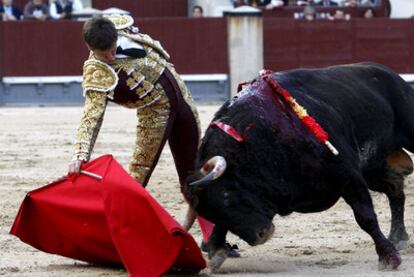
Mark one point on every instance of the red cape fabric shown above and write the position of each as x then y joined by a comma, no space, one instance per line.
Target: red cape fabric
112,221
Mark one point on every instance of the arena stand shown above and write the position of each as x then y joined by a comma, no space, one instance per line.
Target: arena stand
48,71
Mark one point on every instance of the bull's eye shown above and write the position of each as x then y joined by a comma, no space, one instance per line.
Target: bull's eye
226,199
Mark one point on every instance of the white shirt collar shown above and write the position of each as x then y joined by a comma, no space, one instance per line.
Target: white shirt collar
126,43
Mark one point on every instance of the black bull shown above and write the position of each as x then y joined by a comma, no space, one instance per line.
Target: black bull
280,167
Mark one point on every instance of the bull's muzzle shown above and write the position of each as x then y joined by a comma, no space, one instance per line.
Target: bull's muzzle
211,170
263,235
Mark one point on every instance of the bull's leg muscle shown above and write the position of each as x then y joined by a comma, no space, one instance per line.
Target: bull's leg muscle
391,183
390,180
400,165
356,194
398,234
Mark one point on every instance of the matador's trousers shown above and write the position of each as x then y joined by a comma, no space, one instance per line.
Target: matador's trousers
171,118
174,120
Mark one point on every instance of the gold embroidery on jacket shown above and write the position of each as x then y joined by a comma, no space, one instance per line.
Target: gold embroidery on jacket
142,75
135,80
90,124
121,21
98,76
152,122
144,89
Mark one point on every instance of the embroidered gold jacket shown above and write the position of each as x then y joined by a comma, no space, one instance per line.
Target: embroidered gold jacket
130,82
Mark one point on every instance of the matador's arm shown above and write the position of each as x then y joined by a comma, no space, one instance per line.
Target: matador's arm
99,80
90,124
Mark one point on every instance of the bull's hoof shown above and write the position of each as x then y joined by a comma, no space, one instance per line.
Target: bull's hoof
401,245
232,249
391,261
399,239
217,259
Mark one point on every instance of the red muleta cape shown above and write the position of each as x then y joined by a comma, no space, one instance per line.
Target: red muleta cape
112,221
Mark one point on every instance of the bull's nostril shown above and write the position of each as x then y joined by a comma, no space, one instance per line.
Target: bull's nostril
261,234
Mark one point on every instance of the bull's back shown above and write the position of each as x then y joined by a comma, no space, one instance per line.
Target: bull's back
366,105
358,86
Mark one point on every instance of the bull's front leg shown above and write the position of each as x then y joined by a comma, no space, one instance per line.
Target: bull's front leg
356,194
218,250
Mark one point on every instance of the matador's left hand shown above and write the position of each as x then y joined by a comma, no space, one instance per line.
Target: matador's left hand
75,166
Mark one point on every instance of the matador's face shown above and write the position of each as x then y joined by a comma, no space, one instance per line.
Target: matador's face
107,56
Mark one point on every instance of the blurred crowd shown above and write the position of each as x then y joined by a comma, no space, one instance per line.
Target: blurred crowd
310,7
62,9
271,4
39,10
304,9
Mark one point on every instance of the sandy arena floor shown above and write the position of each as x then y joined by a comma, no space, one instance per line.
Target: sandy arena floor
35,147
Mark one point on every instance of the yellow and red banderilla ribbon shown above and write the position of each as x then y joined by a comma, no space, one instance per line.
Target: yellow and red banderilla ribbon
303,115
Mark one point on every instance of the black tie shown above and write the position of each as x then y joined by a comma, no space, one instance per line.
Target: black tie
131,52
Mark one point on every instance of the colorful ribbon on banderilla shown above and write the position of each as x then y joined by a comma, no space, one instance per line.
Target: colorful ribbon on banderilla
303,115
320,134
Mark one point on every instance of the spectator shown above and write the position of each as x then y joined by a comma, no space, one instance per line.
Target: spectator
369,13
350,3
198,12
238,3
304,2
309,13
276,3
9,12
326,3
268,4
368,3
36,10
341,15
62,9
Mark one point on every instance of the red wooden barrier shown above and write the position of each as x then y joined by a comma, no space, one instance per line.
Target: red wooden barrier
200,45
2,38
32,48
292,43
55,48
195,45
385,41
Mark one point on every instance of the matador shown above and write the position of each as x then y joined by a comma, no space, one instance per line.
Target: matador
131,69
148,83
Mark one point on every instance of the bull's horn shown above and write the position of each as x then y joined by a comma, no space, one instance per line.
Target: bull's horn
211,170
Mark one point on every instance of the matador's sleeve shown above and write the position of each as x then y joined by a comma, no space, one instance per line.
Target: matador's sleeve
99,80
90,124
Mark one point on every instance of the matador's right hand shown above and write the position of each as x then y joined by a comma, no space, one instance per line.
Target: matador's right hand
75,166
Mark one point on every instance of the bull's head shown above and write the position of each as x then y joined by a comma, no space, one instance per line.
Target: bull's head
220,198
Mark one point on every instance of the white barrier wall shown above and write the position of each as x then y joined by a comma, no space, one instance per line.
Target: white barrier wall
245,45
402,8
